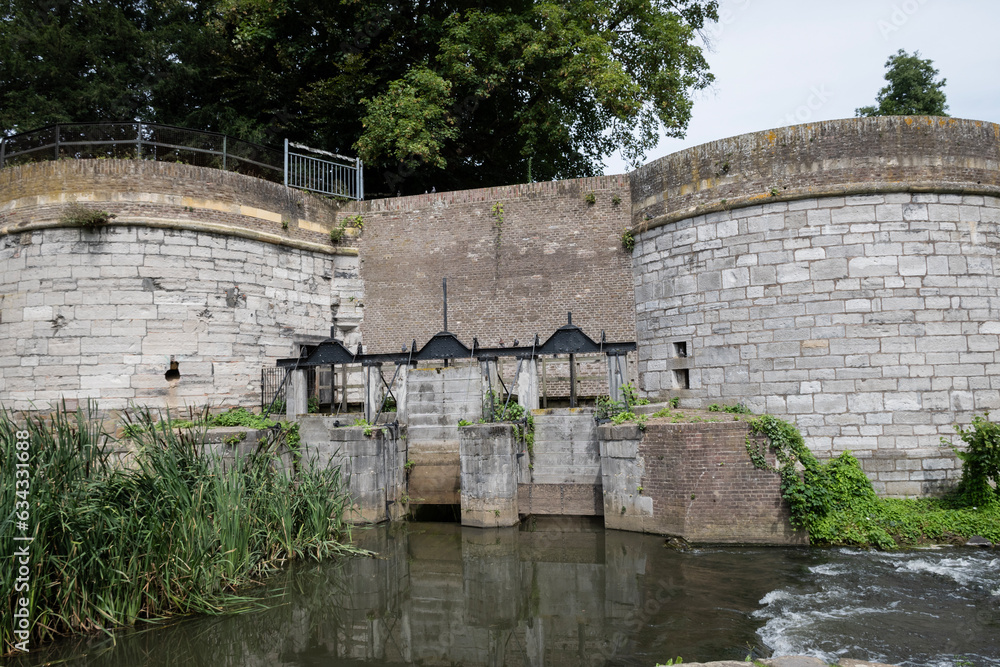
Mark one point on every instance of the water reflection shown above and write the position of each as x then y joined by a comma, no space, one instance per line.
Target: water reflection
557,592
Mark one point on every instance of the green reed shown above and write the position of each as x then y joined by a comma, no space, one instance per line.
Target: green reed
172,531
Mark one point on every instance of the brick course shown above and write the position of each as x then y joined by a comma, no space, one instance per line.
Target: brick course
553,253
694,481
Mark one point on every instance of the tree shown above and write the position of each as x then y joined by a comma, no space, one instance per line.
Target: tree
460,94
64,61
67,61
445,93
912,90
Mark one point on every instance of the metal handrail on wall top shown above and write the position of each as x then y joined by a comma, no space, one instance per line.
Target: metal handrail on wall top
340,177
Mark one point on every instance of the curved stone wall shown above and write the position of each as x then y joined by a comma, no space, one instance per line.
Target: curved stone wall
196,269
871,318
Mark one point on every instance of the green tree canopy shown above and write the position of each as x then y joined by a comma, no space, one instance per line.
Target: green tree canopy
451,94
912,90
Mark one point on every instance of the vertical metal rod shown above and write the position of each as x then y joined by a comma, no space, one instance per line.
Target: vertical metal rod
545,388
343,390
444,288
224,153
138,141
286,162
572,380
57,142
3,149
361,180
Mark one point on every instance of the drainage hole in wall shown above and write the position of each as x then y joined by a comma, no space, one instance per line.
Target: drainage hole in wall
681,380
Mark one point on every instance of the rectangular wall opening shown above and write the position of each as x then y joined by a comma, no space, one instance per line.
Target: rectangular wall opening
681,380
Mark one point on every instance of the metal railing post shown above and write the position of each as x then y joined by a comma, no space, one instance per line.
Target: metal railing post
361,180
138,141
57,141
224,137
286,162
3,150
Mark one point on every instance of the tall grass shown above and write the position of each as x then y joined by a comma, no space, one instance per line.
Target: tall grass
173,532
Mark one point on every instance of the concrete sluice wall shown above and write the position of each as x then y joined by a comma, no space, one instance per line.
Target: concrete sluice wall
691,480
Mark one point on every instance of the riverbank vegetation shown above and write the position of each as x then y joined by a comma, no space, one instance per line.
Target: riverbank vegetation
173,532
836,504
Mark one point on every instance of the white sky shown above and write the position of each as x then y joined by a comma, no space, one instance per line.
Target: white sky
783,62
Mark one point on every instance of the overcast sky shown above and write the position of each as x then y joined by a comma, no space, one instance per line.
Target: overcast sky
784,62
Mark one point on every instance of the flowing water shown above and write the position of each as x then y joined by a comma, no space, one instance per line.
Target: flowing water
567,592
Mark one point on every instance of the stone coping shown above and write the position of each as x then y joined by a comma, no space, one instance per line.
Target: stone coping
834,158
191,226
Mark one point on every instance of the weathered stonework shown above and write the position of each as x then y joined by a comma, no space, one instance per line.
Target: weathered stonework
489,475
869,319
371,466
105,313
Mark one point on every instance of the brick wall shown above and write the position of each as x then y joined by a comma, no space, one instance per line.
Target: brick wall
695,481
552,253
163,193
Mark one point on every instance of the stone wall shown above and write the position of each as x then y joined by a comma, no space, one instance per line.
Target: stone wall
104,313
869,318
694,481
562,475
510,275
489,475
371,466
436,399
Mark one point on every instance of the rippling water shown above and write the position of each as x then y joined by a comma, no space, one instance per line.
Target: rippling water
924,607
567,592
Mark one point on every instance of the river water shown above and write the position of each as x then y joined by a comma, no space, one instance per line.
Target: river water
567,592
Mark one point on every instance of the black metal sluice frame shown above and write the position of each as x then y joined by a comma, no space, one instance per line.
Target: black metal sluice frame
567,339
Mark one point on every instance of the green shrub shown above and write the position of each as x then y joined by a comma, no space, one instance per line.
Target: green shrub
980,462
738,409
81,216
174,532
836,504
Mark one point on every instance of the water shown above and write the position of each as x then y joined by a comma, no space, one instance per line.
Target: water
570,593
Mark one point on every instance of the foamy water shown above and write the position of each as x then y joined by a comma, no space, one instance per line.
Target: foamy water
921,608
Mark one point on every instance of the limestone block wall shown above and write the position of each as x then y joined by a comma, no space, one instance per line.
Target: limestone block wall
562,475
195,272
843,274
371,465
489,475
437,398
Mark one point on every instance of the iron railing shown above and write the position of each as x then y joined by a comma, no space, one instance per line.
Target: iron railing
343,178
272,389
340,177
